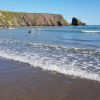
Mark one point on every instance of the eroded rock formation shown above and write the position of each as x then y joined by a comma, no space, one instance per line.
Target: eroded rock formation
77,22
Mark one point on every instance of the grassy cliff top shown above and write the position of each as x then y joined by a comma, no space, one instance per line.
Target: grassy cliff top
9,18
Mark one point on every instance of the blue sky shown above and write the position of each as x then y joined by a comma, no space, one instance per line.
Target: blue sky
86,10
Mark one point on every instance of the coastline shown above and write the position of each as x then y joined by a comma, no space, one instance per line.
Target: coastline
8,18
19,81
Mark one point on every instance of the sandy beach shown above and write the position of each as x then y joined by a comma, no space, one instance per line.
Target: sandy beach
19,81
49,50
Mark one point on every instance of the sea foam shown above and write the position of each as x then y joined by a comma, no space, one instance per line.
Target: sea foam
90,31
67,51
51,65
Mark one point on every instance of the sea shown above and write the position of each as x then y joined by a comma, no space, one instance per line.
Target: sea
71,50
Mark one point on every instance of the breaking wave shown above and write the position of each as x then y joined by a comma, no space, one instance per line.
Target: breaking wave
66,51
90,31
77,62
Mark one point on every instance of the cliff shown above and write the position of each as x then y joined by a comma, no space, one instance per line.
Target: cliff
15,19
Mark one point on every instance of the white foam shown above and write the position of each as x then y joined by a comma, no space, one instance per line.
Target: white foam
51,65
10,28
91,31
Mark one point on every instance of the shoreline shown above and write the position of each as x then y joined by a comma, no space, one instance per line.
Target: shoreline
7,27
19,81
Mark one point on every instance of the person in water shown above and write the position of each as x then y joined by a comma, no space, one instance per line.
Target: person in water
29,31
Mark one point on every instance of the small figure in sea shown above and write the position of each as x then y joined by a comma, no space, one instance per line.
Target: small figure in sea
29,31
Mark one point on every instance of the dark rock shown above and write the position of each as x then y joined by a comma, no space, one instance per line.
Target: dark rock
77,22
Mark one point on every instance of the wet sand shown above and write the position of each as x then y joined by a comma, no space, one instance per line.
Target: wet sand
20,81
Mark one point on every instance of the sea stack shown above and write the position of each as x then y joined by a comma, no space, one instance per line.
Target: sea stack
77,22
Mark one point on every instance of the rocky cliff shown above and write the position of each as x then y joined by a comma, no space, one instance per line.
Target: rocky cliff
77,22
10,19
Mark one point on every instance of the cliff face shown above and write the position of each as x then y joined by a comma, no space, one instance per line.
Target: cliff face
31,19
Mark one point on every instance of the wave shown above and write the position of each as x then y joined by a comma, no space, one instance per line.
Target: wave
72,30
10,28
50,64
90,31
77,62
61,48
66,49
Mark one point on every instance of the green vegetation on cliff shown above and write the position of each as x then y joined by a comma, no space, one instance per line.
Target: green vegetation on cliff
10,19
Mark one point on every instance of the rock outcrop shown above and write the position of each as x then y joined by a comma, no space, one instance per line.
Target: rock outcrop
15,19
77,22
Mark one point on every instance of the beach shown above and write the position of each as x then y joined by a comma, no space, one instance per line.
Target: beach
20,81
48,52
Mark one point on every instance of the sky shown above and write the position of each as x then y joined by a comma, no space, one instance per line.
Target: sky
85,10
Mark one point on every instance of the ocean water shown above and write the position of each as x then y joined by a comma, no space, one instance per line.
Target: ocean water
68,50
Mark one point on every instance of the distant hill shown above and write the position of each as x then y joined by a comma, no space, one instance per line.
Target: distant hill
17,19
